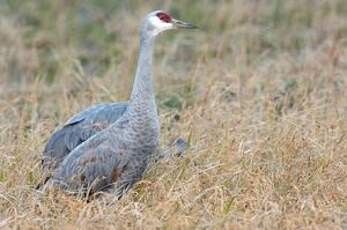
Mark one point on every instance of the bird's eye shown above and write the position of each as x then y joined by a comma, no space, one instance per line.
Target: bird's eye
164,17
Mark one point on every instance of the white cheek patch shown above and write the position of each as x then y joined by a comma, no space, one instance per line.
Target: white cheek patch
159,25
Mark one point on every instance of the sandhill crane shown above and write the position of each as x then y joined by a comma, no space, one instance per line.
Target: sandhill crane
108,146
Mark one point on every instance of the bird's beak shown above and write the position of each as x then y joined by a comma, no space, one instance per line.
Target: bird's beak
183,25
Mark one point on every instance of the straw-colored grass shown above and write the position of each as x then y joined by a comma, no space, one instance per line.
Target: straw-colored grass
260,91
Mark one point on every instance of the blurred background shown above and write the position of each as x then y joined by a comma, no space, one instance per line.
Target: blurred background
259,91
82,46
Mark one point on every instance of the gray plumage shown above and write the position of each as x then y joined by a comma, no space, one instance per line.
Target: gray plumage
78,129
108,146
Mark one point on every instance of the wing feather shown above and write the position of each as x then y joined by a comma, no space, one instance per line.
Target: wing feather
78,129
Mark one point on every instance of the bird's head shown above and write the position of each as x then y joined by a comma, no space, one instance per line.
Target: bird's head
159,21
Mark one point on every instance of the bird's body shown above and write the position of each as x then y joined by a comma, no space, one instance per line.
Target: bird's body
108,146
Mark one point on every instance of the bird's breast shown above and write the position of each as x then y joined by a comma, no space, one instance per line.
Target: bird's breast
142,131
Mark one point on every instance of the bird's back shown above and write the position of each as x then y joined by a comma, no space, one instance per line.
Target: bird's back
78,129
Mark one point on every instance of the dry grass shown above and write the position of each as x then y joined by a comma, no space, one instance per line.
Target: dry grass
261,92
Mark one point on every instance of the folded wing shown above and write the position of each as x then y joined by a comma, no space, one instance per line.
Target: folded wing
77,130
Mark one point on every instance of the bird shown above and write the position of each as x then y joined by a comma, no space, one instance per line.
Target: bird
107,147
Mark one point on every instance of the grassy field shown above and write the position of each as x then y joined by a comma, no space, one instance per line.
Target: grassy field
260,91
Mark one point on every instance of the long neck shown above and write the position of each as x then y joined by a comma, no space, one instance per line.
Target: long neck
142,123
142,96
